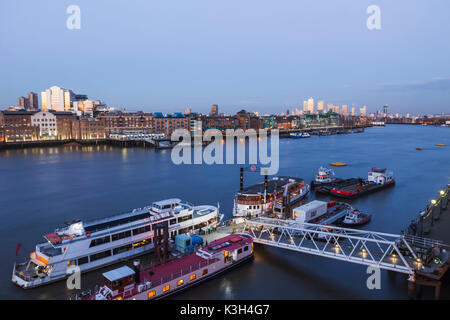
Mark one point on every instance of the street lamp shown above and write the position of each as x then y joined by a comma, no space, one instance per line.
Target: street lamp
433,201
442,192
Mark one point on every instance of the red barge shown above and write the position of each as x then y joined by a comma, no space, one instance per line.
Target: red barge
176,275
377,179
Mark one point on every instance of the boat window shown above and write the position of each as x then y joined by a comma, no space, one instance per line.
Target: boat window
99,241
240,251
122,249
115,223
166,288
100,255
205,271
180,282
193,276
151,294
83,260
141,230
121,235
185,218
142,243
173,221
246,248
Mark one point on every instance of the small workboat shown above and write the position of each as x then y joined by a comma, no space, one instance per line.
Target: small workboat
355,217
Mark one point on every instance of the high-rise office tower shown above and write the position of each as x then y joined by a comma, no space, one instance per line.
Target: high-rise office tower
353,112
385,109
22,102
320,106
344,110
56,98
363,111
310,105
214,110
33,101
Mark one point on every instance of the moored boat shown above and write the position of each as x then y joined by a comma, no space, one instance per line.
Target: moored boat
272,195
87,245
325,176
355,217
351,188
176,275
299,135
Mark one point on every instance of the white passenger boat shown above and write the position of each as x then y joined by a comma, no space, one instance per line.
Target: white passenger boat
93,244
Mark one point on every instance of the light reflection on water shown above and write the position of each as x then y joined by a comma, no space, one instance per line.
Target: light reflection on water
43,187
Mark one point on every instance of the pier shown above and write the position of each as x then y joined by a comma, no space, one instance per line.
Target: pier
424,261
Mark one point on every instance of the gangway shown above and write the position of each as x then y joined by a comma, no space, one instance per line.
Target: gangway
399,253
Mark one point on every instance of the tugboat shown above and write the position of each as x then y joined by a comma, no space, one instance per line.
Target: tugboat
356,218
299,135
324,177
351,188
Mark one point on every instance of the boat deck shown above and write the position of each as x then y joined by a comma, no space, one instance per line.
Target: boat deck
276,183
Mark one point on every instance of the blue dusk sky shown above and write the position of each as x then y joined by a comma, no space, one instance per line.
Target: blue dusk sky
265,56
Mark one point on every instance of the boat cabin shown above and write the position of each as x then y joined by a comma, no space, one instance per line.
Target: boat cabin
379,176
120,280
165,205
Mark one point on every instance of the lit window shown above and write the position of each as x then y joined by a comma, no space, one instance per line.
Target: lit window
205,271
166,288
151,294
193,276
180,282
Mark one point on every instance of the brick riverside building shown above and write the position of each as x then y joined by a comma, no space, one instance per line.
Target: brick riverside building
145,122
19,126
117,122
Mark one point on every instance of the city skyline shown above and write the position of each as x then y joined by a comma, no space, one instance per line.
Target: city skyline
268,64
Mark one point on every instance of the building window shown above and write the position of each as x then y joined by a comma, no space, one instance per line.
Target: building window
192,277
166,288
151,294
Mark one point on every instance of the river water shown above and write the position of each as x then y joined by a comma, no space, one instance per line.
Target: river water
43,187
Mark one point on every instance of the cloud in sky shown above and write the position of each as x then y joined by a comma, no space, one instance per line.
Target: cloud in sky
436,84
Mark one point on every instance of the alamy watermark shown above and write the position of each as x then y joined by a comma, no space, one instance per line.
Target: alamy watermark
190,149
374,20
73,22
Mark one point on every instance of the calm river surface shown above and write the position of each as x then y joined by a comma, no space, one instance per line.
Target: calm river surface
42,188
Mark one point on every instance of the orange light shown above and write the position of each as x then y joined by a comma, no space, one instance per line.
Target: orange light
180,282
42,259
166,288
151,294
193,277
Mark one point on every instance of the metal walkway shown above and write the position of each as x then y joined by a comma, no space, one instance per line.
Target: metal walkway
398,253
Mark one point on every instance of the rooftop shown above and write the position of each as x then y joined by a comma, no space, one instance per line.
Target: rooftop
118,273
